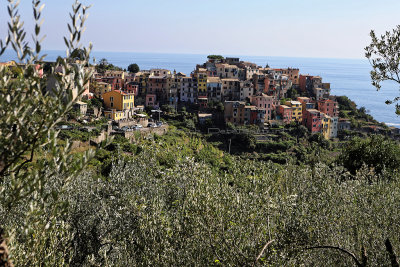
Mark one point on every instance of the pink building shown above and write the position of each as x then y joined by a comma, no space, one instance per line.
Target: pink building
116,83
151,100
285,113
132,87
313,120
329,107
266,102
157,85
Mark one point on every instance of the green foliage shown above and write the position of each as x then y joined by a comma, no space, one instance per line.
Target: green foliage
78,54
247,141
270,147
105,65
189,123
383,53
178,200
168,108
230,126
133,68
375,152
292,93
299,131
215,57
184,213
220,107
35,168
96,102
319,139
345,103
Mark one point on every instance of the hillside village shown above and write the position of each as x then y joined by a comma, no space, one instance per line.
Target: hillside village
251,94
222,91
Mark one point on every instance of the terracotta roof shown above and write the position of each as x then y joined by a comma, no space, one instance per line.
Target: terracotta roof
119,91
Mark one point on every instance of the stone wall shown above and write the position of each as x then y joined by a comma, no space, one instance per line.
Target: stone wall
146,132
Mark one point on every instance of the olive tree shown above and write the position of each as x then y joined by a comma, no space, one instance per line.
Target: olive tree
375,152
31,105
384,56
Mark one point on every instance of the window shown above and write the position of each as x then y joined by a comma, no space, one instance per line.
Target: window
111,99
112,104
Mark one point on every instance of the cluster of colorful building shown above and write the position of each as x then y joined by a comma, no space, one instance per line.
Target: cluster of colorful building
251,94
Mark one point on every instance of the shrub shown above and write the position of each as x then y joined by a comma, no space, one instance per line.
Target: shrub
374,152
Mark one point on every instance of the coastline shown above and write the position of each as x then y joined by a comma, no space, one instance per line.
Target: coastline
348,77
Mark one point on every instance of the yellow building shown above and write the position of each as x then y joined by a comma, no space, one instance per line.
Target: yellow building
326,127
114,114
100,88
297,110
119,100
201,76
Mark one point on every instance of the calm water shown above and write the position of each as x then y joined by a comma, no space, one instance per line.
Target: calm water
348,77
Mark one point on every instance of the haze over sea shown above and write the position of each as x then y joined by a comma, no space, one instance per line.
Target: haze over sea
349,77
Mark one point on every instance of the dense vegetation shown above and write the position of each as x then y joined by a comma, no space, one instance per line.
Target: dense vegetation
216,57
184,198
178,200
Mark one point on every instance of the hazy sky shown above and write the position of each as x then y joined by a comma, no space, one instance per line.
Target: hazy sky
302,28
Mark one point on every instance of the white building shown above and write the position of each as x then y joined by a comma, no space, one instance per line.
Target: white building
334,127
188,92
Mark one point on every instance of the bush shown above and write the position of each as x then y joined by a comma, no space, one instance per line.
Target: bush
375,152
345,103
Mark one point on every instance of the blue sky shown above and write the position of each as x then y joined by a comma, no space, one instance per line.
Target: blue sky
301,28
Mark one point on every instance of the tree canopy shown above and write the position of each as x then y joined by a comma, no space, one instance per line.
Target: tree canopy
133,68
216,57
105,65
375,152
384,56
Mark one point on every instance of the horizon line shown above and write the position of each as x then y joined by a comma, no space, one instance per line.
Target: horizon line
206,54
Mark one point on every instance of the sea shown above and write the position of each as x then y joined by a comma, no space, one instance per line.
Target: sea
349,77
